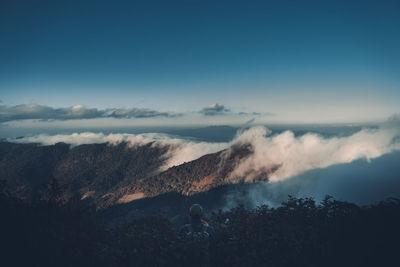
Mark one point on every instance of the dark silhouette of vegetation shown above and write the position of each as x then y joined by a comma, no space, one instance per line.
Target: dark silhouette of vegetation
51,232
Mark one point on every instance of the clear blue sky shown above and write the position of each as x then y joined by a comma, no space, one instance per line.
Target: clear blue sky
296,59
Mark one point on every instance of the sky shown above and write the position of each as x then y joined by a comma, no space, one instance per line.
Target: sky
198,61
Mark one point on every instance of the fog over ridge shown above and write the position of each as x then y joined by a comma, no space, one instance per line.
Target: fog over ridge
294,154
180,150
310,151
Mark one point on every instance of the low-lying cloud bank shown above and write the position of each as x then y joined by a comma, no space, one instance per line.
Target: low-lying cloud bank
294,155
360,182
179,152
34,111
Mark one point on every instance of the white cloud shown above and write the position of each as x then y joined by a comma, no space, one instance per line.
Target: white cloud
359,182
214,109
179,150
35,111
293,154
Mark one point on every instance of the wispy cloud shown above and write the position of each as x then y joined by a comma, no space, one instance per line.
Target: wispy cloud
215,109
256,113
179,150
35,111
219,109
137,113
24,113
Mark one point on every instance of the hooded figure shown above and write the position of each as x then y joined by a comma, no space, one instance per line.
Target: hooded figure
197,238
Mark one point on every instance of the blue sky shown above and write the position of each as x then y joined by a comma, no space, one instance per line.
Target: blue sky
302,61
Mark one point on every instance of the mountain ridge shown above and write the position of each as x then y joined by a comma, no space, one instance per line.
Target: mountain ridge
110,174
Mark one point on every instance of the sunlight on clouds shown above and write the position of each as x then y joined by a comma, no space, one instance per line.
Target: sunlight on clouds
292,154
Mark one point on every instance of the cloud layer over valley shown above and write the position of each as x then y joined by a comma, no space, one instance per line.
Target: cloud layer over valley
362,182
293,154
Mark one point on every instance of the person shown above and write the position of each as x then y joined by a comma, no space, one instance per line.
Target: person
198,238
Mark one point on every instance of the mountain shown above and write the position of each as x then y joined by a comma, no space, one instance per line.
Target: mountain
109,174
203,174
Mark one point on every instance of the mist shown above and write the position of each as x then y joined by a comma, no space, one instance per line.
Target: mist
179,150
308,165
295,155
362,182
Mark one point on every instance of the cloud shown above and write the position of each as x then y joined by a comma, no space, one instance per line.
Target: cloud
137,113
179,150
35,111
360,167
360,182
295,155
78,112
215,109
219,109
393,121
249,113
256,113
250,121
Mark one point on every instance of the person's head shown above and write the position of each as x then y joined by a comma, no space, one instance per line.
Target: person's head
196,212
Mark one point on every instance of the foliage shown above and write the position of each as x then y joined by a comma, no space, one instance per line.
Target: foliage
300,232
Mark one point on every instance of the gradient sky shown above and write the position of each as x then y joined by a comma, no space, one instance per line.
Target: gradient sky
320,61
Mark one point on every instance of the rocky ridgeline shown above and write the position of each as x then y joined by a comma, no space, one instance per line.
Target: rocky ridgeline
109,174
